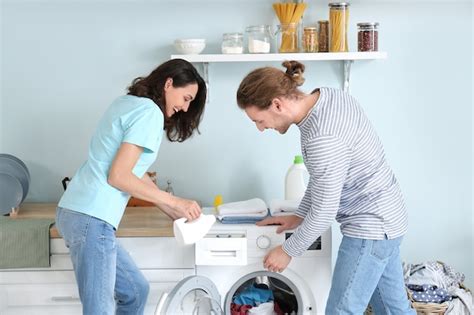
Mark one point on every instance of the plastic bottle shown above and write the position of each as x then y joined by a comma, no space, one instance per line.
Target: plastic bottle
169,189
295,180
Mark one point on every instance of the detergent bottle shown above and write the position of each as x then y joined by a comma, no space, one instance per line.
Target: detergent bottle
296,179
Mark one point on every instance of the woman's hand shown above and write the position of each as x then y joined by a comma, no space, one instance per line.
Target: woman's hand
184,208
288,222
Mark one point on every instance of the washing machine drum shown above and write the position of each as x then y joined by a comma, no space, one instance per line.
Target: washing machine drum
194,295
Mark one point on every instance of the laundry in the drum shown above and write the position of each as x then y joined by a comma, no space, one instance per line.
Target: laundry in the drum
268,297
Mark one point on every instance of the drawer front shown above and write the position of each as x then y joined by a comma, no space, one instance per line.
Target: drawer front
45,310
158,252
59,277
60,289
42,294
36,277
147,252
58,310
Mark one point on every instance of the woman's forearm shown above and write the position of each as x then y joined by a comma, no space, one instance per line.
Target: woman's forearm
142,188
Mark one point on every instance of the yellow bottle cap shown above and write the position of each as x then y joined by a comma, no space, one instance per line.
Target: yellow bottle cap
217,201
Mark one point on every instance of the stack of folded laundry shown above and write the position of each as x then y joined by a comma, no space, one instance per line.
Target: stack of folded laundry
284,207
242,212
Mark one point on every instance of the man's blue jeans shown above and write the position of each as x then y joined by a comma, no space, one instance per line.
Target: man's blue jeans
109,281
368,271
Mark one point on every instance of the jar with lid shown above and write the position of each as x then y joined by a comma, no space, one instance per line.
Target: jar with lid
288,38
338,24
310,39
232,43
259,38
368,36
323,36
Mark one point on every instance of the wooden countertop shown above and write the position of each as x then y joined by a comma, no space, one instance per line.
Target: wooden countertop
136,222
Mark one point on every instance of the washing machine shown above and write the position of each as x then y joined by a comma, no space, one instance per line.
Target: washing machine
229,259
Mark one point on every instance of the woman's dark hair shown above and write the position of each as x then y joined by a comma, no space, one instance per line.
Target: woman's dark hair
181,125
262,85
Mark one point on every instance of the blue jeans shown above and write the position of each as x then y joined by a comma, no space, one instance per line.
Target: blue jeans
368,271
109,282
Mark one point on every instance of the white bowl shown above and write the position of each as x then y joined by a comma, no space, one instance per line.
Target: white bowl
189,46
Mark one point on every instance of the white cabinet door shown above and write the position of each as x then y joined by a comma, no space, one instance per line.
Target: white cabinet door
147,252
156,253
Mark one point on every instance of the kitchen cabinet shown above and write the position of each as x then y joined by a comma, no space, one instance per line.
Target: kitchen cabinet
53,290
145,232
347,58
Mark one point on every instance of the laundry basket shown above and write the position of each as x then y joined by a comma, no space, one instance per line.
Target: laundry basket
420,308
429,308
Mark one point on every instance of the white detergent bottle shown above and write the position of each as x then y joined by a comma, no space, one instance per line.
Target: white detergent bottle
296,179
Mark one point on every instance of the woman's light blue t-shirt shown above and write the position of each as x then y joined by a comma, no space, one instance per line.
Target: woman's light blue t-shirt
130,119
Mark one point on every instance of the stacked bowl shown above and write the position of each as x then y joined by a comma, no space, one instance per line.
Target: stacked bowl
14,182
190,46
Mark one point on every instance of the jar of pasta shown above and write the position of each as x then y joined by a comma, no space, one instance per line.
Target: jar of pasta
338,24
287,36
368,36
310,39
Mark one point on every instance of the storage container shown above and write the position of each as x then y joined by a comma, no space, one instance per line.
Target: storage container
288,41
310,39
338,25
258,39
323,36
232,43
368,36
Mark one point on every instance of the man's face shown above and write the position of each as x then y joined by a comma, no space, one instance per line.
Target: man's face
270,118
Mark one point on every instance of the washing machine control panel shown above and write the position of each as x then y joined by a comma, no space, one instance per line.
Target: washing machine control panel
264,242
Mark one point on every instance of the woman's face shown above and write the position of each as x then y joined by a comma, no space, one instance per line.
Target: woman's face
178,98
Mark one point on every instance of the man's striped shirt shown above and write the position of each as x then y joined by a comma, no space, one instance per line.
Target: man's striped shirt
350,180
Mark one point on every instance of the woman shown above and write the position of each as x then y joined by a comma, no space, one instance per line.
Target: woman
125,144
350,181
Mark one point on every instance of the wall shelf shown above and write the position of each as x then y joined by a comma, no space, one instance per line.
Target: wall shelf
280,57
346,57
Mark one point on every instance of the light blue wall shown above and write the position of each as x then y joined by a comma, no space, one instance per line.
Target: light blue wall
63,63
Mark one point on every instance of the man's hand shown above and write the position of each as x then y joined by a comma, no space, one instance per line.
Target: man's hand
288,222
276,260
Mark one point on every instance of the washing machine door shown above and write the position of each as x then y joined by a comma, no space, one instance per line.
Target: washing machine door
194,295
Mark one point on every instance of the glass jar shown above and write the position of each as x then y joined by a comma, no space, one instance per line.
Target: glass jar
338,24
288,38
259,39
232,43
323,36
310,39
368,36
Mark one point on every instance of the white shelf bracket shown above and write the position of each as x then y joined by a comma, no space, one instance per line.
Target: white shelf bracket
205,74
347,74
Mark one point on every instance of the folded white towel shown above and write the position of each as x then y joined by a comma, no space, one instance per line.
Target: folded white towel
249,207
283,207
